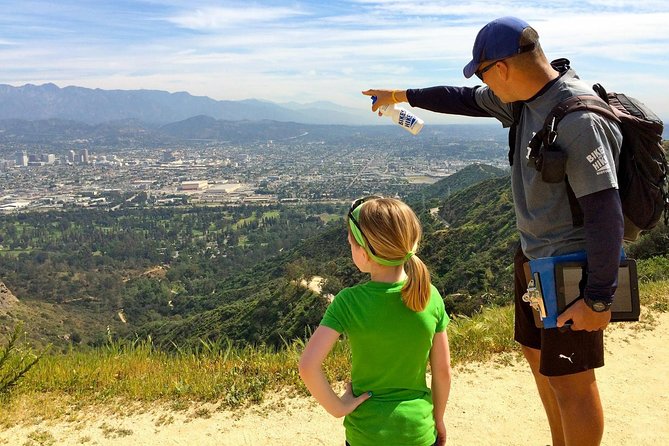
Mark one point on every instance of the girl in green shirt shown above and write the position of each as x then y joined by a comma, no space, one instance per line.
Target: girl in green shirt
395,324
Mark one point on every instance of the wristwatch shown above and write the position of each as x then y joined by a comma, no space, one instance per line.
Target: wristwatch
598,306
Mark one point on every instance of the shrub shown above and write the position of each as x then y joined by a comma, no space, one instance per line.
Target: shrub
15,361
653,269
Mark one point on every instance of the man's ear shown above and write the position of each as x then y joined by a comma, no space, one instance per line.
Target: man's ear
503,70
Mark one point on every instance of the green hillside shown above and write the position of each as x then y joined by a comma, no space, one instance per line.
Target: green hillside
469,241
437,192
187,275
79,274
469,260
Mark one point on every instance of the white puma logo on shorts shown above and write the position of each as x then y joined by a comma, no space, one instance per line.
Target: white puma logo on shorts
568,358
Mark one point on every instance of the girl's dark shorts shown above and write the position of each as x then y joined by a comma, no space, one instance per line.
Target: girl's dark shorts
562,353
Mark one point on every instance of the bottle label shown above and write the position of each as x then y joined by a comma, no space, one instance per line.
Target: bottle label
406,119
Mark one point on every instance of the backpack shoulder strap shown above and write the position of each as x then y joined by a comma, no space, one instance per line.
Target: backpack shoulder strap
561,65
548,134
545,138
517,111
589,103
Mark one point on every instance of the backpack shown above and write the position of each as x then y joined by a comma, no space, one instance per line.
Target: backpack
643,182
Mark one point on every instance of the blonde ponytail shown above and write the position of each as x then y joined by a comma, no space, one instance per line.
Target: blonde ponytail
416,289
392,228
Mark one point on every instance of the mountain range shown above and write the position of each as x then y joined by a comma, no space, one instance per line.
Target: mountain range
52,116
94,106
132,132
157,108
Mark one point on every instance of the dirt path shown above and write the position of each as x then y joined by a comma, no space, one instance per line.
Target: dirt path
492,403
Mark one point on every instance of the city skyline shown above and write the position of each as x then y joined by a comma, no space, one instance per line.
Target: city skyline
309,51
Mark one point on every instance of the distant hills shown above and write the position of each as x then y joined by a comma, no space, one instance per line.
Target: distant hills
50,115
128,132
94,106
54,106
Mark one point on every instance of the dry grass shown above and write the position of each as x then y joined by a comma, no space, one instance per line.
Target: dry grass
131,377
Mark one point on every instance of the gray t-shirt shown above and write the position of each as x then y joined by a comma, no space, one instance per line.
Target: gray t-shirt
592,144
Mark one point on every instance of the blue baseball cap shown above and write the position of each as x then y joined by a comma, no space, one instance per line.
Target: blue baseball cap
497,40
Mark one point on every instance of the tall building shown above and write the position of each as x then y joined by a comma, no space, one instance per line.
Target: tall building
48,158
70,156
22,158
84,156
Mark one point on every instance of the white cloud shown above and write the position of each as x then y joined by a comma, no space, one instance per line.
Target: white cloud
307,51
218,18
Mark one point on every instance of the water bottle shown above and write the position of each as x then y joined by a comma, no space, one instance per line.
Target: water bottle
401,116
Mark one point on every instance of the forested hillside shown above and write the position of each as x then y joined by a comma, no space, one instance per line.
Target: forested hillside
268,304
177,274
78,272
248,274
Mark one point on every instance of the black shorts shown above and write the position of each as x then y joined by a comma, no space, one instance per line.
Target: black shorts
562,353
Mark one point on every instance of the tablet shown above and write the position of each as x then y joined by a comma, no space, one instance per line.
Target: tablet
626,306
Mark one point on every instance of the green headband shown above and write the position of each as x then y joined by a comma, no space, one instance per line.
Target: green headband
357,235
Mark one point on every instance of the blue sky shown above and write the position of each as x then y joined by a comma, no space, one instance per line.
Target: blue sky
308,51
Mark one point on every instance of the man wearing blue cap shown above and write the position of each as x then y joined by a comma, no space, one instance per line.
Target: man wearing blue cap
518,78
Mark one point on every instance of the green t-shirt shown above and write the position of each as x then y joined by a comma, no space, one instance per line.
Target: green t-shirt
390,347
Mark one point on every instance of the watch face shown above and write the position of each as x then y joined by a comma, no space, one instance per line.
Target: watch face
599,306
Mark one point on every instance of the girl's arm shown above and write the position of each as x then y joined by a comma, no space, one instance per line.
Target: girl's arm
440,363
311,372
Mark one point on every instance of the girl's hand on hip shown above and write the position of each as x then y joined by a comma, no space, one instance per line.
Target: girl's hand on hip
350,401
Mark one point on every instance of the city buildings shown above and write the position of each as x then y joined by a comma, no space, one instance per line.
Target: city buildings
291,171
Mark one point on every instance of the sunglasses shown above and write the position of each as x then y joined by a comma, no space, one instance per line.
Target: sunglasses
355,205
523,49
479,73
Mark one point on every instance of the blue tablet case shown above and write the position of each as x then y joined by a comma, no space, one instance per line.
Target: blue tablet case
549,295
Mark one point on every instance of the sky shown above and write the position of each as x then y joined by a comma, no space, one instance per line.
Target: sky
308,51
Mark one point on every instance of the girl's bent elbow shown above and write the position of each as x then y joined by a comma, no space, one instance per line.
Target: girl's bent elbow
338,414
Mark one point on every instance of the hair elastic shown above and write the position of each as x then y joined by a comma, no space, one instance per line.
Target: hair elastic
357,235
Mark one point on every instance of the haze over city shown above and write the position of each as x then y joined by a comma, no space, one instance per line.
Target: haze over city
307,51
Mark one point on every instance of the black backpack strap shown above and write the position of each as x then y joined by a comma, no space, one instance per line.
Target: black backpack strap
601,92
583,102
560,65
517,111
544,140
